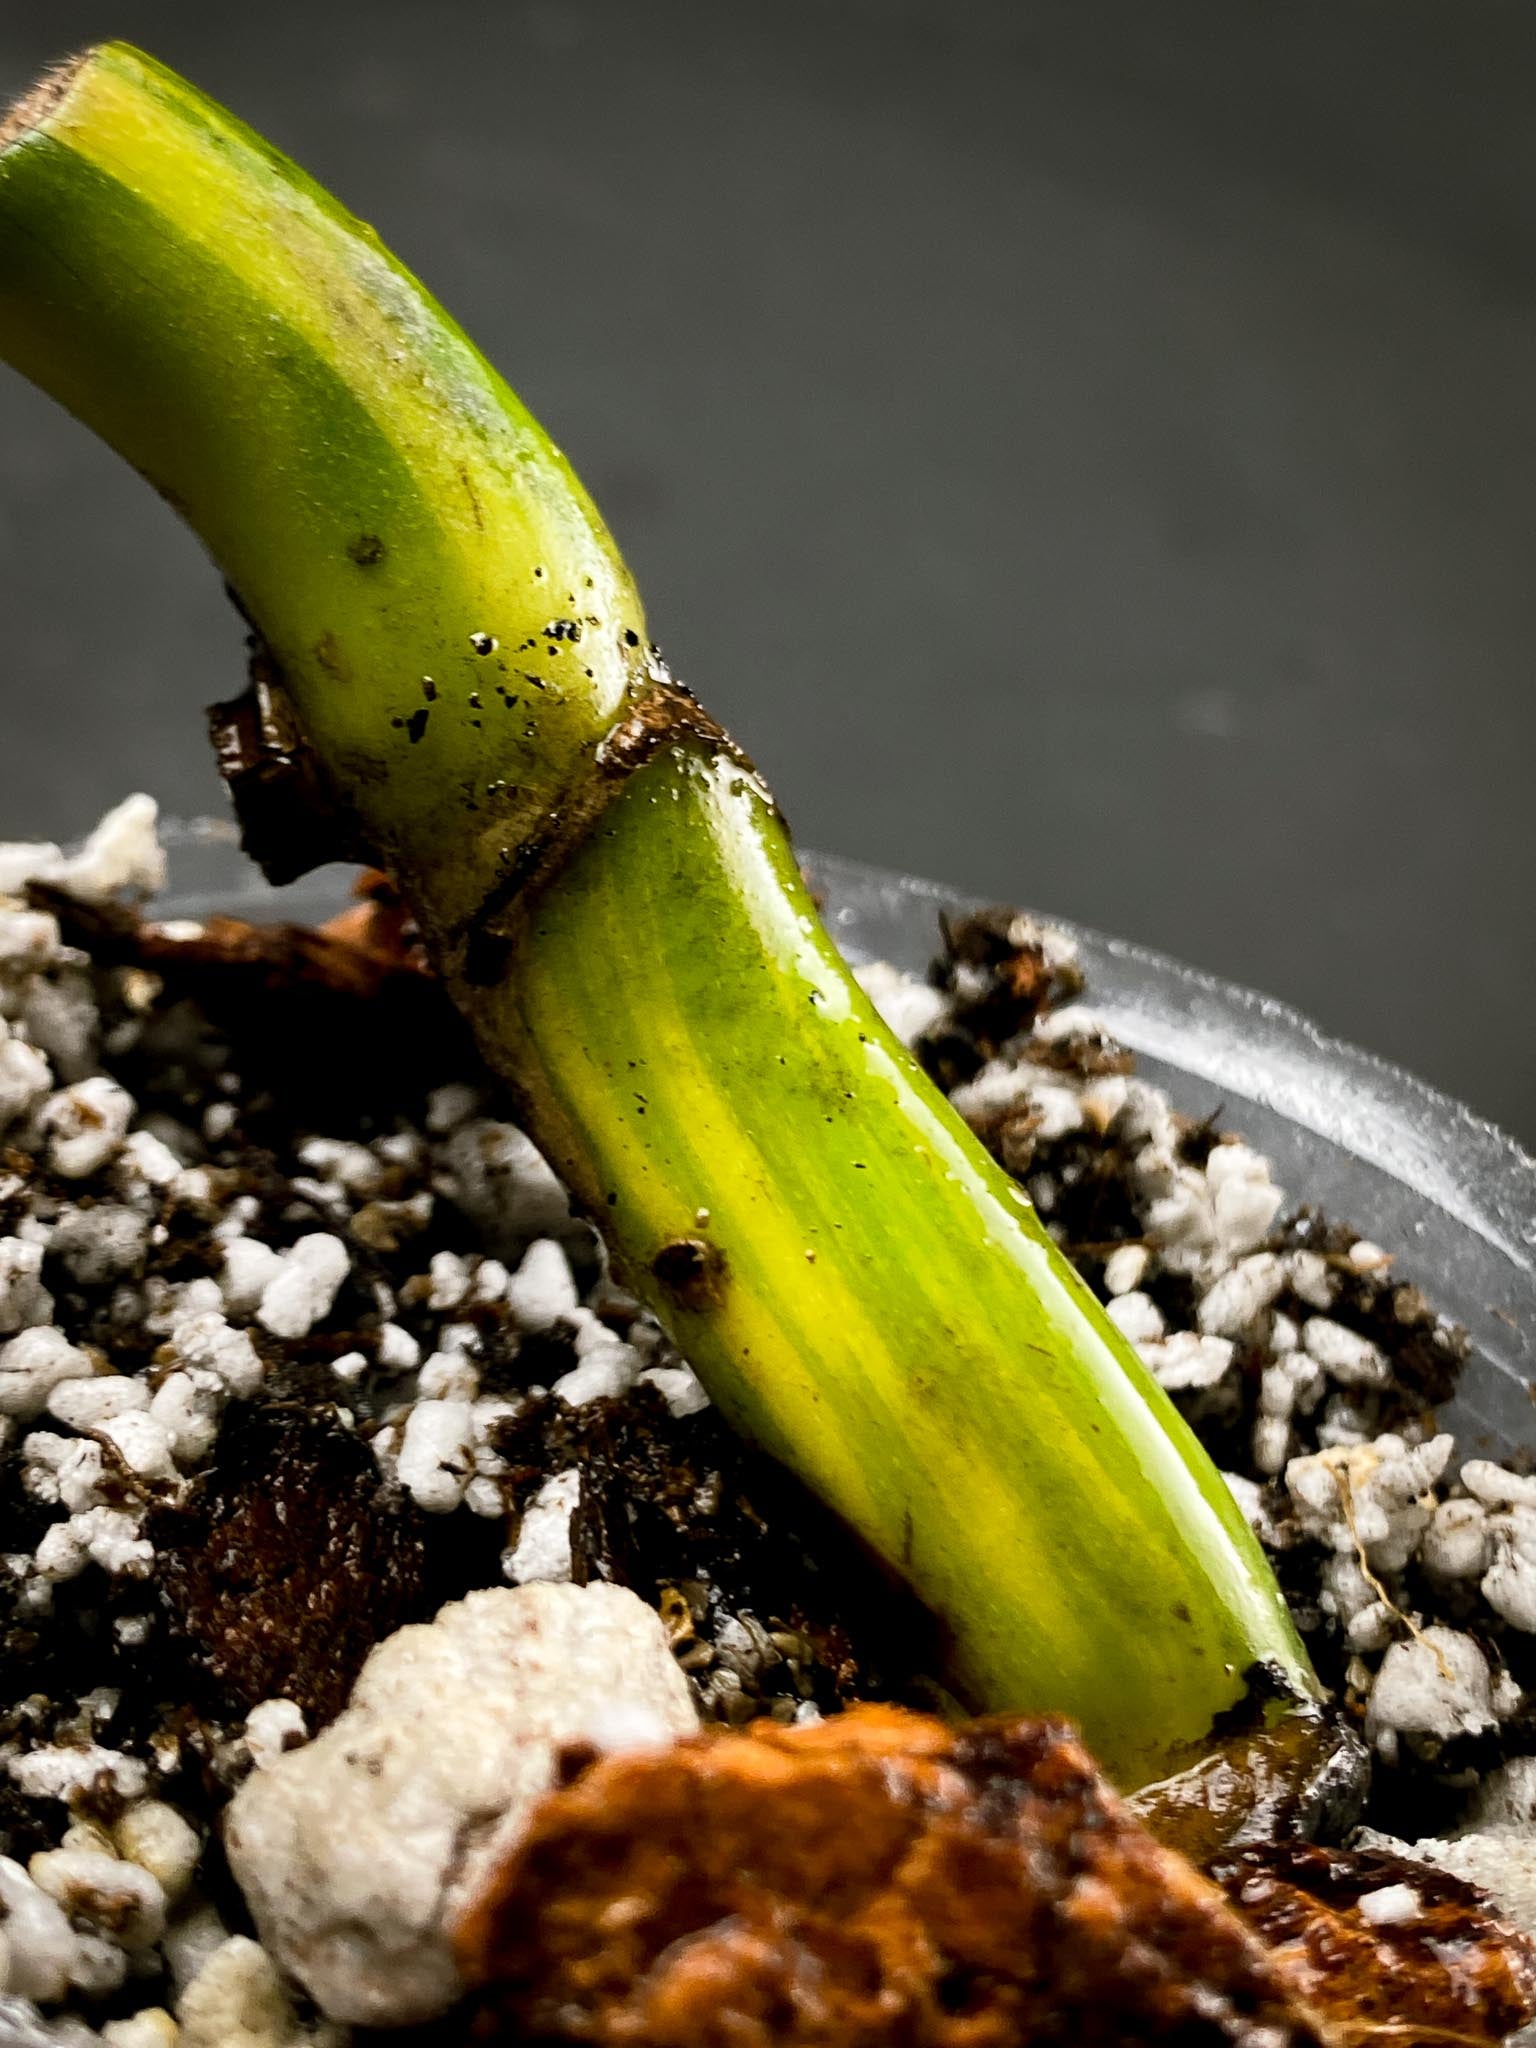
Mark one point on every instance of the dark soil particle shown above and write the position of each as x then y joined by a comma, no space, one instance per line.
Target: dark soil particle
1018,982
751,1575
288,1561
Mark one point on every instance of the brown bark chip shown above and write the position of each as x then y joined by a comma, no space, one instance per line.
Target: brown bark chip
877,1880
1395,1952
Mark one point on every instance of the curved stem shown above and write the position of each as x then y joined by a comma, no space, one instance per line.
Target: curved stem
450,617
862,1290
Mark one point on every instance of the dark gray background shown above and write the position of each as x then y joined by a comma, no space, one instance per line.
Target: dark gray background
1086,451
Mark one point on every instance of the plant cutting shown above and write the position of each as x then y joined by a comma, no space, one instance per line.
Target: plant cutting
455,677
420,1618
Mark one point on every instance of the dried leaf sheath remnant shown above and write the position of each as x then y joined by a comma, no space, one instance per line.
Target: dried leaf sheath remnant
290,820
32,110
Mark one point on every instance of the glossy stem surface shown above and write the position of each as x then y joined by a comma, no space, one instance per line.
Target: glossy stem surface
862,1290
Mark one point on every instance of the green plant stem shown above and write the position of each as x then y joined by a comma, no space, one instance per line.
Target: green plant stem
612,899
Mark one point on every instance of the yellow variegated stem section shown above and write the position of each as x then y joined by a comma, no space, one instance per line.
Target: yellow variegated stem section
890,1318
876,1303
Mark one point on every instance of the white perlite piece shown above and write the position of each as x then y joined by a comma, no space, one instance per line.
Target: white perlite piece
24,1301
105,1536
29,939
248,1267
398,1350
1352,1360
498,1177
122,854
1455,1544
1495,1487
143,1444
237,2000
449,1277
86,1125
355,1852
1244,1200
107,1242
33,1365
25,2028
1232,1306
187,1405
1055,1108
1000,1086
150,2027
1293,1382
204,1342
1369,1495
78,1476
605,1372
1311,1279
118,1898
447,1376
1125,1268
541,1292
1509,1584
1271,1443
451,1105
190,1940
100,1966
40,1942
304,1287
60,1017
161,1841
351,1166
58,1773
1186,1359
543,1547
1431,1689
1393,1905
145,1162
1136,1316
90,1403
436,1459
909,1007
24,1078
272,1728
678,1386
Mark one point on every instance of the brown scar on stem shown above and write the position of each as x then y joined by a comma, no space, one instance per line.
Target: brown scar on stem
32,110
693,1271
